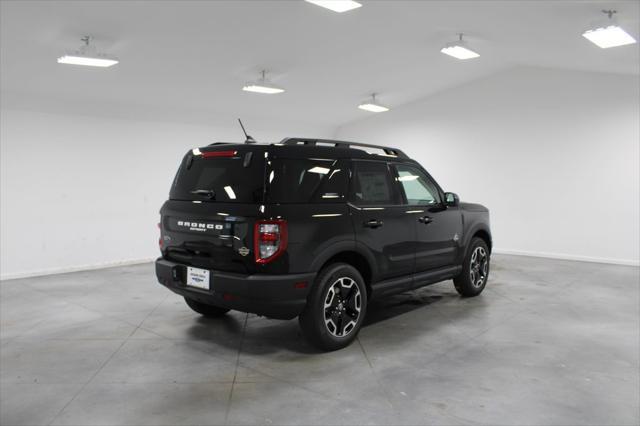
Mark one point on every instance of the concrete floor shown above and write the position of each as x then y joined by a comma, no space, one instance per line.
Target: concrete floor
548,342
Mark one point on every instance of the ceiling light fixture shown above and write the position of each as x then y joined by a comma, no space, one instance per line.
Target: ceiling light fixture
372,105
262,86
336,5
459,49
88,56
608,34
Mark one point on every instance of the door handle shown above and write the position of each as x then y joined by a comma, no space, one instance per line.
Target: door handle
425,219
373,223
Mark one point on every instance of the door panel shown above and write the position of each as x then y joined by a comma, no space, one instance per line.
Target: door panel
391,241
438,227
437,237
380,221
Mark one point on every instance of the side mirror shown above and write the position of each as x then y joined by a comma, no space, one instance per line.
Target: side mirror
451,199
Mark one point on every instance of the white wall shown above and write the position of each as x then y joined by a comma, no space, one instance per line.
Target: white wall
553,154
84,191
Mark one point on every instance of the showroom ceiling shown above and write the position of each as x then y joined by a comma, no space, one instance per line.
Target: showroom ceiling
193,58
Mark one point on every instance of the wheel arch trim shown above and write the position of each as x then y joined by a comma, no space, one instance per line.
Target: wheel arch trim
347,248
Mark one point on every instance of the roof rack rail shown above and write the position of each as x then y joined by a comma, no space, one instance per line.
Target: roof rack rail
388,151
220,143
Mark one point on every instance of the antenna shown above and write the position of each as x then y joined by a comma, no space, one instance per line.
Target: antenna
248,139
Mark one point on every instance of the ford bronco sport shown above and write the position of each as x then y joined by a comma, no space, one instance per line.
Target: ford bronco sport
316,229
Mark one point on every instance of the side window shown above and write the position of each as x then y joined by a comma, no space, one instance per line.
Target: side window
335,185
418,188
371,184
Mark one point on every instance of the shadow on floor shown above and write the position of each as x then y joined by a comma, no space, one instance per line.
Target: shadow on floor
263,335
392,307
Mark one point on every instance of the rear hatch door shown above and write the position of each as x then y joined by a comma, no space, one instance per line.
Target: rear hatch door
214,202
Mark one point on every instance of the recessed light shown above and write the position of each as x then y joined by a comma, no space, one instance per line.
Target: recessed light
609,34
262,85
459,50
88,56
336,5
372,105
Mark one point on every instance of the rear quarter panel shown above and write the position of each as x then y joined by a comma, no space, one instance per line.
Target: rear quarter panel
315,232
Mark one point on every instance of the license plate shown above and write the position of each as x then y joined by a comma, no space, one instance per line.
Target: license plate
198,278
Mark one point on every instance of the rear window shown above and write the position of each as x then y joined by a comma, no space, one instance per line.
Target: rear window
236,179
233,179
307,180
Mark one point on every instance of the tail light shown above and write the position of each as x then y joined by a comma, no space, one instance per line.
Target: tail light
160,240
270,240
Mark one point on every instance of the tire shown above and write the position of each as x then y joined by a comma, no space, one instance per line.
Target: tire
475,269
203,309
331,319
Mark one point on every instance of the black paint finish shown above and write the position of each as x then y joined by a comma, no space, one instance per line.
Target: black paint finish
396,246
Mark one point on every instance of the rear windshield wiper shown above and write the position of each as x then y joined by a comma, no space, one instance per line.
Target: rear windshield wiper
209,193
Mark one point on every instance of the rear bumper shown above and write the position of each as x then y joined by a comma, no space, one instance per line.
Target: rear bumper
274,296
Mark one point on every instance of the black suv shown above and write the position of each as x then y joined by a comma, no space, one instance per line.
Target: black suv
313,228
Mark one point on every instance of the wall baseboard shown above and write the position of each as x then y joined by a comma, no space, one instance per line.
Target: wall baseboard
64,270
55,271
560,256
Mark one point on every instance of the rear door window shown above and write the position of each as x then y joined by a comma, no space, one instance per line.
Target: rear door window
296,180
372,184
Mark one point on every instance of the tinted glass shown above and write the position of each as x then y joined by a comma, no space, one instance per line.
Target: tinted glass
304,180
418,188
372,184
224,179
335,185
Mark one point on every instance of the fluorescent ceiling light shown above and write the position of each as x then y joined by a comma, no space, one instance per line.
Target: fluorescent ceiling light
459,50
610,36
372,105
86,60
336,5
88,56
262,86
608,33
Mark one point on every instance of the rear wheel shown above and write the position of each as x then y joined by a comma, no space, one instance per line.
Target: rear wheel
335,308
206,310
475,269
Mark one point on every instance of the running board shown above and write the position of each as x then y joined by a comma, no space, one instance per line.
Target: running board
410,282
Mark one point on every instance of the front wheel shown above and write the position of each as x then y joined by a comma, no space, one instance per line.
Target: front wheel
475,269
335,308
